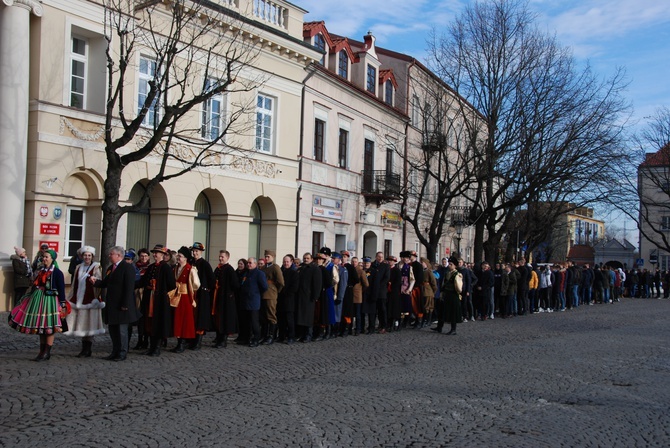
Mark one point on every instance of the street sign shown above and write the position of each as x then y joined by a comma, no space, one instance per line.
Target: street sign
639,262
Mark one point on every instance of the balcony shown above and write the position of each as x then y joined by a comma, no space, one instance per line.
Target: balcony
380,186
434,141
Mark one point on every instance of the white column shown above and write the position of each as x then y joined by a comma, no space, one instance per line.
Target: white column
14,85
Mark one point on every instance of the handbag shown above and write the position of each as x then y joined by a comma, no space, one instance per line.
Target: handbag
174,297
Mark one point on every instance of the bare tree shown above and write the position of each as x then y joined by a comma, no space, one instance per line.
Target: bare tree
440,163
551,127
196,55
645,198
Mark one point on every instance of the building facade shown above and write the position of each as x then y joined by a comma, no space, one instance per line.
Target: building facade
654,209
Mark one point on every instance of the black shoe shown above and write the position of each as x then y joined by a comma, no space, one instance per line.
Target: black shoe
253,344
289,341
268,340
306,339
120,358
181,346
439,330
111,357
197,343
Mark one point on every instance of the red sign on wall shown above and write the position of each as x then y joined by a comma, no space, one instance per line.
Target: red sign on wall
49,229
52,244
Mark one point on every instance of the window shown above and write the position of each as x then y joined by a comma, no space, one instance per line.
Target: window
137,232
664,262
147,73
201,222
255,230
388,248
319,128
78,67
75,230
665,222
372,80
416,111
343,64
320,43
343,148
368,165
265,106
389,160
212,113
340,242
317,242
413,182
388,97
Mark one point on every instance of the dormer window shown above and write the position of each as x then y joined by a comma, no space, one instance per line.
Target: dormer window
343,65
388,94
371,83
320,43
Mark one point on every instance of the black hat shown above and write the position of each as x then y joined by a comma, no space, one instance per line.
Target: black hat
405,254
453,260
325,251
185,251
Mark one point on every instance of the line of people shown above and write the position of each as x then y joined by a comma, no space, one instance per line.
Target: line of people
320,297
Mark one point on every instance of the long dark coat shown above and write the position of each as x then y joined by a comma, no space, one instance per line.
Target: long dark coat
225,306
348,302
120,293
203,312
379,279
287,296
395,284
309,290
322,315
160,278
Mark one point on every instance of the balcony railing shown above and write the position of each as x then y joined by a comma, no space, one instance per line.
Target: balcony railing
271,12
380,186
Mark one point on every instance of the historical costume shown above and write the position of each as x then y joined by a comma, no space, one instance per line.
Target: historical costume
275,280
140,268
85,320
42,310
348,311
452,285
428,288
157,281
203,298
286,302
358,293
309,291
183,301
395,284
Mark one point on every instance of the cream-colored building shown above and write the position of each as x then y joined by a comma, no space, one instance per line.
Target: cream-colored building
654,220
52,99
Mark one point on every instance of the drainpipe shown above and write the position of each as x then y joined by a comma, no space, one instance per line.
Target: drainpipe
311,73
404,201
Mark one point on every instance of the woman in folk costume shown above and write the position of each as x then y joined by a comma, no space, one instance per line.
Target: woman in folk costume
452,285
407,285
85,320
188,283
428,288
42,311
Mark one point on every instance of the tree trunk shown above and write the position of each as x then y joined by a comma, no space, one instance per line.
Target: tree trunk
111,213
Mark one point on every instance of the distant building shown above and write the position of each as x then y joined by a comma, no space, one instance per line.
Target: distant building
615,253
654,218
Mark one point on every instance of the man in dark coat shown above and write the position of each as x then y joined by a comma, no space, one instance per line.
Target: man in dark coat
251,290
224,309
120,308
286,301
377,298
309,291
348,304
157,281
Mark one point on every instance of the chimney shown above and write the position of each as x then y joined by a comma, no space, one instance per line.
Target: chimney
369,41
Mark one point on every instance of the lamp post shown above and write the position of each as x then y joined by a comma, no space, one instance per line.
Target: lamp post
458,225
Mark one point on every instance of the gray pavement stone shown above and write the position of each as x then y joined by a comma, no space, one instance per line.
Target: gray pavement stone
597,376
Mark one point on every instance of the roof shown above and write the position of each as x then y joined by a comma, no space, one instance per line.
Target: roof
658,158
581,252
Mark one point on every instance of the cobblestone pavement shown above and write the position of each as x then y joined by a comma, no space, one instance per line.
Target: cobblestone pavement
599,376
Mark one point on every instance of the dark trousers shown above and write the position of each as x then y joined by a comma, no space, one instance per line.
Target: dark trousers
251,322
18,293
382,313
359,316
119,335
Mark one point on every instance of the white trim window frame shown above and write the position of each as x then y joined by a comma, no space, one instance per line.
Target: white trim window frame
79,50
146,73
73,227
266,107
212,113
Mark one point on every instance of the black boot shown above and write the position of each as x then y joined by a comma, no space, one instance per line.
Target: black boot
43,349
269,339
453,330
47,353
220,341
84,346
180,346
197,342
142,342
154,348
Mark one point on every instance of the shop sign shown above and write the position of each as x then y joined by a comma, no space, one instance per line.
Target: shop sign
327,208
391,219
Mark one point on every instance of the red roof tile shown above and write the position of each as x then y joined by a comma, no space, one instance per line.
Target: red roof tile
658,158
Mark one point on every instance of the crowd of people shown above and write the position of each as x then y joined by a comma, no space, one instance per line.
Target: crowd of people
264,301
